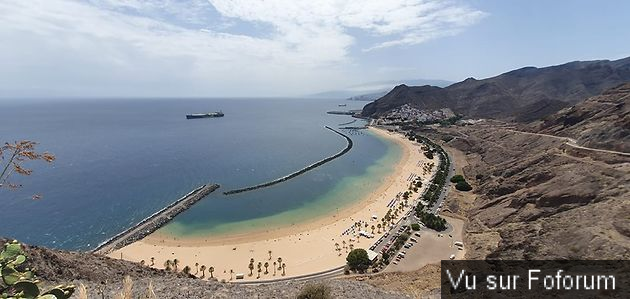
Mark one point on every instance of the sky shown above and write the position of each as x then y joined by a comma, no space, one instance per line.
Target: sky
268,48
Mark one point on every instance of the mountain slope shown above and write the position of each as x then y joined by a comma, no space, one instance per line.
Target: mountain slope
524,95
601,122
539,198
544,198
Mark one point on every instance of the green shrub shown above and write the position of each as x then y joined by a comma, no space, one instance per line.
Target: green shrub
463,186
432,221
315,291
415,226
457,178
358,260
429,155
385,257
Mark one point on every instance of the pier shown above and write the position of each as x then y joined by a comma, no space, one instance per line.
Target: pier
155,221
301,171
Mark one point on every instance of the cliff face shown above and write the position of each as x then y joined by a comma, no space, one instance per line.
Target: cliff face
602,121
523,95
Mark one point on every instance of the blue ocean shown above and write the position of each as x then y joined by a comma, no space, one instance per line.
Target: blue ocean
121,160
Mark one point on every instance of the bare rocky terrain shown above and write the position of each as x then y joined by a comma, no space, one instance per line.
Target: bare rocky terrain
601,121
538,198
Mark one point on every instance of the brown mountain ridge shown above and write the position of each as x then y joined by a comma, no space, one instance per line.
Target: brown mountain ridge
522,95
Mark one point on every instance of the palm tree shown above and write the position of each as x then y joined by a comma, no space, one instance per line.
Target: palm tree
142,263
175,264
186,270
379,228
251,268
337,246
196,268
279,263
269,254
266,267
259,270
259,267
211,270
167,265
231,273
283,268
274,268
152,261
373,227
203,271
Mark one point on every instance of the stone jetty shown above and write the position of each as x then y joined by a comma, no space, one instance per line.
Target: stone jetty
155,221
301,171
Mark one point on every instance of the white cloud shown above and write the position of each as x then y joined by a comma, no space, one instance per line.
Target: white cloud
170,47
408,22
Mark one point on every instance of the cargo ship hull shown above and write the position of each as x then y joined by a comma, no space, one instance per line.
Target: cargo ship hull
204,115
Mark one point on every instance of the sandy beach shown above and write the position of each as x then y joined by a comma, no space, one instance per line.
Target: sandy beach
305,248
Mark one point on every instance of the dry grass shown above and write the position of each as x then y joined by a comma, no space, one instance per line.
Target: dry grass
82,292
127,290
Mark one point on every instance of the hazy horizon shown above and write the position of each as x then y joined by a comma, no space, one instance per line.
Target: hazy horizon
246,49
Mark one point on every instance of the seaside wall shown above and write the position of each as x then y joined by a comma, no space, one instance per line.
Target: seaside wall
155,221
301,171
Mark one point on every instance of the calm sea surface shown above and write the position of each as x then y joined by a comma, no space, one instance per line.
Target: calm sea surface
119,161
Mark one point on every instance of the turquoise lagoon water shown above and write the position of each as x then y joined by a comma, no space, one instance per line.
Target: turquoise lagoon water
119,161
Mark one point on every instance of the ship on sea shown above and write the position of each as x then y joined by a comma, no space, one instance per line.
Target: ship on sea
204,115
342,105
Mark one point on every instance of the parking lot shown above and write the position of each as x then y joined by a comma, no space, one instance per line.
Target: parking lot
430,248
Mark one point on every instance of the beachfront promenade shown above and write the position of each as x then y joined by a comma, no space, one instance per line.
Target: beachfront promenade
155,221
301,171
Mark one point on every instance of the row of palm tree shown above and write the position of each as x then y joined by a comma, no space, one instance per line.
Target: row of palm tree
279,265
172,265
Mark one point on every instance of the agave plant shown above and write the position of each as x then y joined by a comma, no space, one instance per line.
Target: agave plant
19,281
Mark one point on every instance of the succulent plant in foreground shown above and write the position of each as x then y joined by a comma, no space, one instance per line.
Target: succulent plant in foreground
19,281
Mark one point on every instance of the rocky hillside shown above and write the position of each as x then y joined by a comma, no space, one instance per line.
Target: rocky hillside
539,198
104,275
602,121
523,95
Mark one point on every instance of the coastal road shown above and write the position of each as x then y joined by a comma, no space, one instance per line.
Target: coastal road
409,217
447,185
326,274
